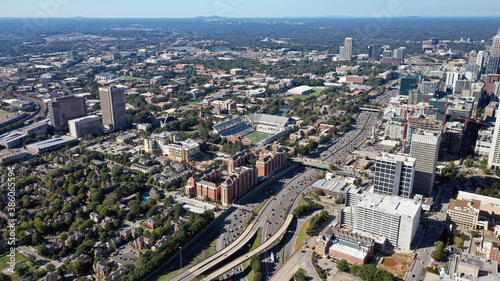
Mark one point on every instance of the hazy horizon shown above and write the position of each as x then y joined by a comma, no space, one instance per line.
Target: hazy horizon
246,9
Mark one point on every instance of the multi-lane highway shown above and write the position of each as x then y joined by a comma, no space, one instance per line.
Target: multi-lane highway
281,195
341,147
270,219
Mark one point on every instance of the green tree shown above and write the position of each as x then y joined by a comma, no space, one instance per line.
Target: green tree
51,267
300,275
4,277
42,250
439,251
343,265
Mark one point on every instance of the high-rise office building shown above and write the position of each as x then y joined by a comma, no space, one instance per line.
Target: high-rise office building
72,55
399,53
451,77
65,108
84,126
492,65
475,69
341,52
348,48
480,58
374,52
114,114
408,83
495,48
494,155
425,149
394,175
428,87
387,53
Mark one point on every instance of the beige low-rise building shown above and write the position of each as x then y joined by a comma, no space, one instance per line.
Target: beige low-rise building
464,213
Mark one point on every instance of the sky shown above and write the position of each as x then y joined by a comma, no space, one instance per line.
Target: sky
245,8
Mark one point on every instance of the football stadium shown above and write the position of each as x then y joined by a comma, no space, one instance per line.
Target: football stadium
258,128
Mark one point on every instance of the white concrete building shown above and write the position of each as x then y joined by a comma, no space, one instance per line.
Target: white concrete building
392,217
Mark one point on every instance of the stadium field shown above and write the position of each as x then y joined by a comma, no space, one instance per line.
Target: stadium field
256,137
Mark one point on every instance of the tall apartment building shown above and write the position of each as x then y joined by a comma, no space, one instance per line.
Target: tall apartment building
425,149
348,48
238,160
269,161
84,126
394,175
464,213
114,114
63,109
240,181
392,217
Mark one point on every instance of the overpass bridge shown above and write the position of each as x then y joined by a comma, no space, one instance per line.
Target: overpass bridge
370,109
314,163
273,241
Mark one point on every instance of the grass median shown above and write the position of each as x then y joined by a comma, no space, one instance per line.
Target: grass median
302,236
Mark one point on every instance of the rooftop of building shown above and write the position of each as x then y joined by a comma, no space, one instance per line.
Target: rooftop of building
89,118
356,253
207,183
387,157
482,269
465,206
51,142
389,204
331,185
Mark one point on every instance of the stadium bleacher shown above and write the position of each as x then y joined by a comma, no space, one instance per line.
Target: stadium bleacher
236,126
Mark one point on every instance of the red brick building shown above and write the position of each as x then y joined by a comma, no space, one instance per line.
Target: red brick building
207,184
353,247
213,174
238,160
233,139
490,83
393,61
269,161
495,255
207,189
240,181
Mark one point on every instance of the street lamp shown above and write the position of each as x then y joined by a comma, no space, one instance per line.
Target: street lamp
180,249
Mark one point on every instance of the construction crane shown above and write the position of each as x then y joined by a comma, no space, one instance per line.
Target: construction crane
446,111
467,120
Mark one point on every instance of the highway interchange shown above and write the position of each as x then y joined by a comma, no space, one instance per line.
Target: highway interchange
280,193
